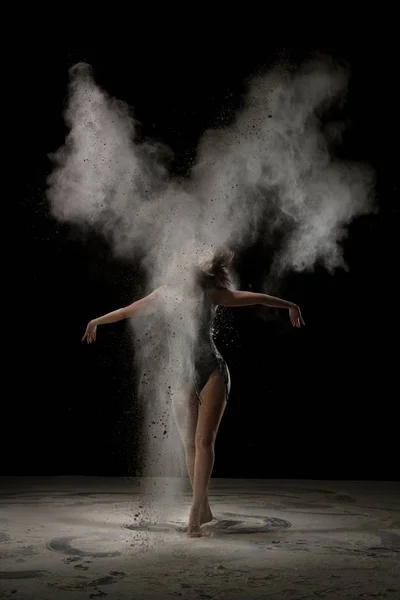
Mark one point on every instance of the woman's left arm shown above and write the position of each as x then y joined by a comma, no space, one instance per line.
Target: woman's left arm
226,297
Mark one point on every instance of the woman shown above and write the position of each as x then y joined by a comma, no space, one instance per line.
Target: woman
198,419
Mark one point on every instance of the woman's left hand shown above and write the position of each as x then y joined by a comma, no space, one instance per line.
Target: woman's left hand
295,317
90,333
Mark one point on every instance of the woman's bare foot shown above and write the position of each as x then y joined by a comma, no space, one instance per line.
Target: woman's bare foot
205,517
193,529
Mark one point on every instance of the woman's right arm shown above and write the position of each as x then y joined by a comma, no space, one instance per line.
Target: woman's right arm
125,312
116,315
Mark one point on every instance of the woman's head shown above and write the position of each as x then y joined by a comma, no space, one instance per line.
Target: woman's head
214,272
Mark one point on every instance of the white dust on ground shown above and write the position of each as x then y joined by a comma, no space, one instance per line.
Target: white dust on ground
67,538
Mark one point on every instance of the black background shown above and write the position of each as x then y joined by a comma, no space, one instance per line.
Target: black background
316,403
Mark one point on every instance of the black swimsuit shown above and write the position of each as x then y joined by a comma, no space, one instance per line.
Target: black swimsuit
206,357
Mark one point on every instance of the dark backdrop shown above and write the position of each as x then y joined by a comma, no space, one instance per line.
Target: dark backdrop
316,403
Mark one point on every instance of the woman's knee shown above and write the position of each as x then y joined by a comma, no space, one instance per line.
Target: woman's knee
205,441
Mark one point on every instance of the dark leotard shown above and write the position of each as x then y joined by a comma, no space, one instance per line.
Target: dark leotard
206,357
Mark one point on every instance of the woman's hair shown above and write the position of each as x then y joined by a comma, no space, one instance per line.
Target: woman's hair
215,271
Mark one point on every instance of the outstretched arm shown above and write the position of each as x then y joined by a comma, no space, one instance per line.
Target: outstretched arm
225,297
116,315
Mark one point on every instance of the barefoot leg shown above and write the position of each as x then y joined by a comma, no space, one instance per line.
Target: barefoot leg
210,413
186,415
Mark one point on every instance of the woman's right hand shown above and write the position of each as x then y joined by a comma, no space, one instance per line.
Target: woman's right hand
90,333
295,316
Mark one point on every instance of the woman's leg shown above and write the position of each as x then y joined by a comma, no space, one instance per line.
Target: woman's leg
186,415
210,411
